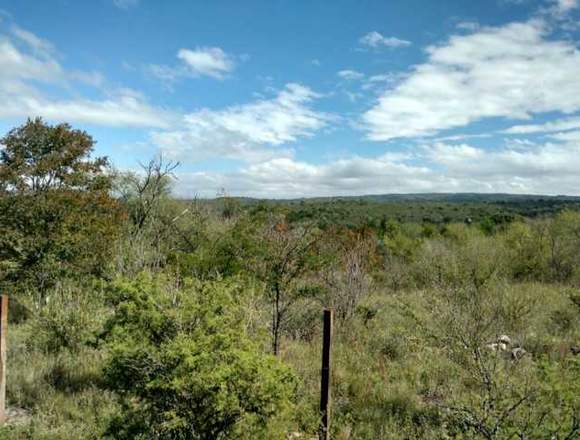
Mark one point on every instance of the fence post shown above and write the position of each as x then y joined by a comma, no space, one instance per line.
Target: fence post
325,377
3,329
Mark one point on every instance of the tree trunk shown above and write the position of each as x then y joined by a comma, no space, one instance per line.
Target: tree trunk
276,321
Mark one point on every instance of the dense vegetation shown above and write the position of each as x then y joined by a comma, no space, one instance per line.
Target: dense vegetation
492,209
138,316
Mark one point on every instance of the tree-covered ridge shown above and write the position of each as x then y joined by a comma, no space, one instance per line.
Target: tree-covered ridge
136,315
420,208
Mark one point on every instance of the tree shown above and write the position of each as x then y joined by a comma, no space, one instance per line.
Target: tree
159,227
144,193
56,215
289,253
348,279
38,157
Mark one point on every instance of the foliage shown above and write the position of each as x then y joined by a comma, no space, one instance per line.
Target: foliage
54,207
186,369
287,256
145,316
38,157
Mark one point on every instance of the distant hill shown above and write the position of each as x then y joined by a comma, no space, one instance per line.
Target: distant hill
437,208
425,197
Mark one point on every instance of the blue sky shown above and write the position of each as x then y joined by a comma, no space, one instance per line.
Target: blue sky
306,98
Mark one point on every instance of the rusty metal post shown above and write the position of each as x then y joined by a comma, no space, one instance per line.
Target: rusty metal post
3,329
324,430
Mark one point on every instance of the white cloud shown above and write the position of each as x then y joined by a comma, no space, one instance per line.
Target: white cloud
166,74
17,64
202,61
286,177
376,40
565,6
462,137
569,136
247,132
383,81
467,25
122,110
561,12
511,71
455,155
544,168
40,46
382,78
523,167
513,2
350,75
209,61
28,61
548,127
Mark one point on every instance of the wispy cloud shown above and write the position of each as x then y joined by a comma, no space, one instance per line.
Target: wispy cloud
39,46
382,81
376,40
548,127
124,109
467,25
565,6
561,11
350,75
212,62
208,61
568,136
246,132
28,61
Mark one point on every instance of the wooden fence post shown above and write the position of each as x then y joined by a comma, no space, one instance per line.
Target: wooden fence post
3,329
325,377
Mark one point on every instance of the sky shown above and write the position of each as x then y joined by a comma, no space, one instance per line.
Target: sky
299,98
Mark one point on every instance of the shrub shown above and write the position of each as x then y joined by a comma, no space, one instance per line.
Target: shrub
185,367
70,317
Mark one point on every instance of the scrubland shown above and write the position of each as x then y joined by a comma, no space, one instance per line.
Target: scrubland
135,315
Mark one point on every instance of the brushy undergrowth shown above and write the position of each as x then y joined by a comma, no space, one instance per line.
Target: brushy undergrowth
201,320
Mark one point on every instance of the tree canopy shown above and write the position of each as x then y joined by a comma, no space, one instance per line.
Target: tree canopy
39,157
57,217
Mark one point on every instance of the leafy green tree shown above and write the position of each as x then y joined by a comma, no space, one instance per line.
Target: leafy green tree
56,215
38,157
185,366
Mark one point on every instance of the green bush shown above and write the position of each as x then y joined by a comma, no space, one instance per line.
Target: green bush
185,367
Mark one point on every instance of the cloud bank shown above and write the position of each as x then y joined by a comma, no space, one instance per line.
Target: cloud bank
513,71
